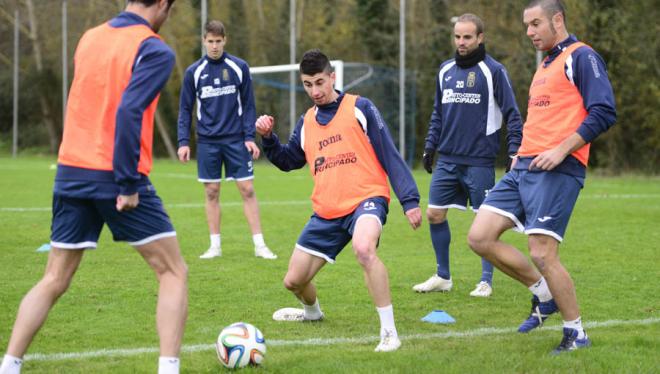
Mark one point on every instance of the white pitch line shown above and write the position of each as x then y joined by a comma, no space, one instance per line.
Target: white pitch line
304,202
620,196
323,342
193,177
173,206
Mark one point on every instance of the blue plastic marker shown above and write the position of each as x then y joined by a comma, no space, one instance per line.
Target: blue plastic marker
44,248
439,316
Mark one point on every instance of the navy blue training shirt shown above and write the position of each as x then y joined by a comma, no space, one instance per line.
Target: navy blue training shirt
470,104
222,92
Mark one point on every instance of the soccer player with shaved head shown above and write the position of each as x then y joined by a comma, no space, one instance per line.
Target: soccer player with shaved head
570,104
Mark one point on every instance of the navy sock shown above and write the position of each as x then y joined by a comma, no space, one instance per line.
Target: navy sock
441,237
486,271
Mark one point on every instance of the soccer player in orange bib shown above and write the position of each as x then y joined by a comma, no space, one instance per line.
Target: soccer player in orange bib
350,154
102,175
570,104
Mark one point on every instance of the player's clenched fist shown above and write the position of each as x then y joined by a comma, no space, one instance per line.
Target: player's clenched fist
265,124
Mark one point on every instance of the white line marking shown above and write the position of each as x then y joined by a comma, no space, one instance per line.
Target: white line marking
319,341
193,177
303,202
21,210
175,206
620,196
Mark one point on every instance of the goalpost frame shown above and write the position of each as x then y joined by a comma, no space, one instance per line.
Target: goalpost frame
337,64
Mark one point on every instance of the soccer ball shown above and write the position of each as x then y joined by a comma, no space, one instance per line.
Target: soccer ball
240,344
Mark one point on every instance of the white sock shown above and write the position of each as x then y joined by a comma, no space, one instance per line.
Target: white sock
386,315
313,311
215,240
258,240
541,290
576,325
11,365
168,365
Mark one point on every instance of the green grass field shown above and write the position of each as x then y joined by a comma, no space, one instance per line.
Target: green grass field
105,323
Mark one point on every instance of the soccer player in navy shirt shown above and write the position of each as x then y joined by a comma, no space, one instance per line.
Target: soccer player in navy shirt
221,87
473,95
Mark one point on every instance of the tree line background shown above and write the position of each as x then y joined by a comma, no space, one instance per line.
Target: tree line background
624,32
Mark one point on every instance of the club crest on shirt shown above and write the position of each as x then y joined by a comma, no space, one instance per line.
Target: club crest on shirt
225,75
471,78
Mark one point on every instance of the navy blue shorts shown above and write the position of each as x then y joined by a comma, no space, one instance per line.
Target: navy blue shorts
537,202
234,156
452,185
326,238
77,222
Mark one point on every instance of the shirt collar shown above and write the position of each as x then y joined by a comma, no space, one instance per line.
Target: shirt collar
218,61
129,18
559,48
334,104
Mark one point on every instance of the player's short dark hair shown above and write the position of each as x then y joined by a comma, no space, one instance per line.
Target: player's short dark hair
314,62
149,3
214,27
469,17
550,7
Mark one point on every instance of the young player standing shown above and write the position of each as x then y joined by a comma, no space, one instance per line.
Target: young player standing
221,87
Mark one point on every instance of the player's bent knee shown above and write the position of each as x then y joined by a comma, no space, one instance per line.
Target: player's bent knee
478,242
542,259
542,250
542,262
178,269
292,284
57,285
181,271
364,253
